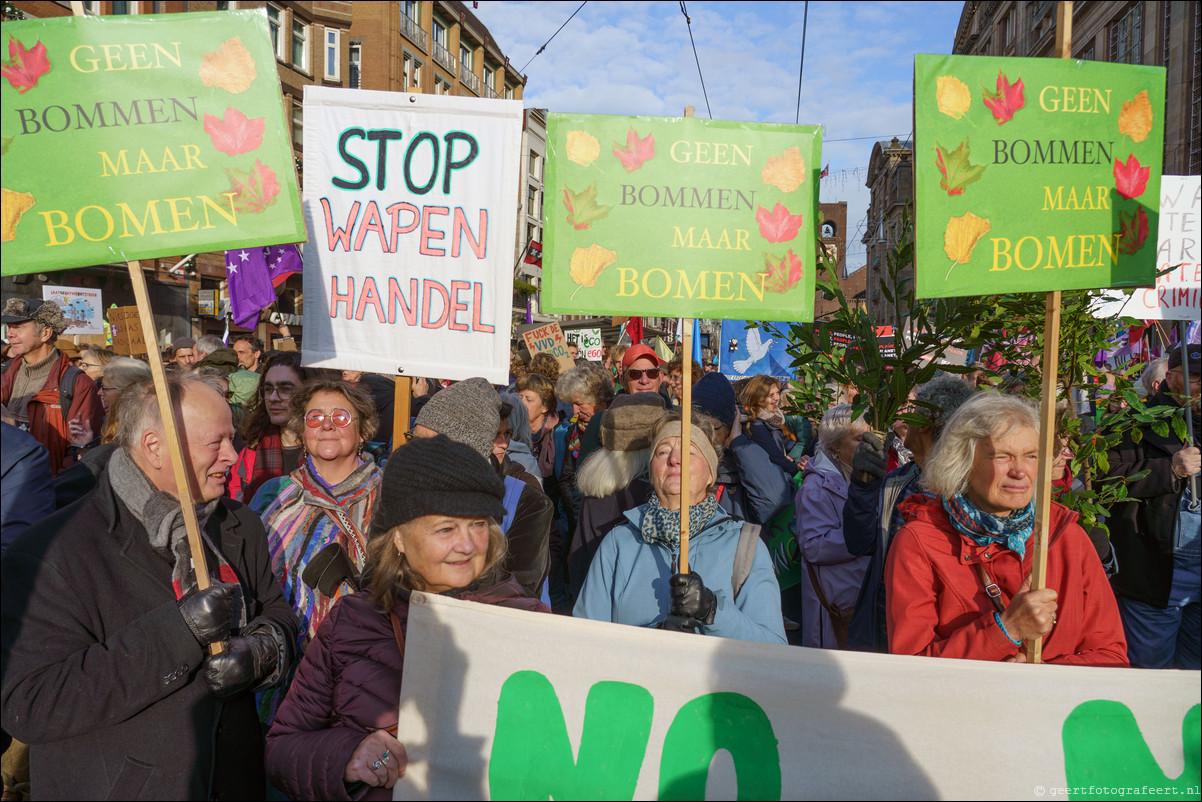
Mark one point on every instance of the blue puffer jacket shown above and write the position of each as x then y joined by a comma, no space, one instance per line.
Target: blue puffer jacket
628,581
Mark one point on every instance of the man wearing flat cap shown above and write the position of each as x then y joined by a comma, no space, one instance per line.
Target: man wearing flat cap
40,380
1155,536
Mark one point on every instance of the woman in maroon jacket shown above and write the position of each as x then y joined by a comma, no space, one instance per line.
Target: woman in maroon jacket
434,530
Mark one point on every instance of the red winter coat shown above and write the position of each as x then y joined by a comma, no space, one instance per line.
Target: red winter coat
347,686
47,422
937,606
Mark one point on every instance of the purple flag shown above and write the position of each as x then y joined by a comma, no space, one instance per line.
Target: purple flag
529,317
283,261
249,285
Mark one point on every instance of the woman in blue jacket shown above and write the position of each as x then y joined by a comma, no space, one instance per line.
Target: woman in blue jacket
634,579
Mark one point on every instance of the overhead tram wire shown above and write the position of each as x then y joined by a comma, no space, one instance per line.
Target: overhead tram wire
805,18
689,24
544,47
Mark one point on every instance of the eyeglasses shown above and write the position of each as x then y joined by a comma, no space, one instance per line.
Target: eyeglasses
104,388
282,390
83,364
314,418
636,374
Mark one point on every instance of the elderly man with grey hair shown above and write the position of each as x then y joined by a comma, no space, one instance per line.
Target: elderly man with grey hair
40,387
103,649
871,517
1153,375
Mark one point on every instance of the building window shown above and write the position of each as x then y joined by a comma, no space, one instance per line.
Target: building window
441,86
465,58
490,80
412,71
412,9
298,125
356,60
536,166
275,18
300,45
332,55
440,34
508,92
1126,37
91,7
532,201
1007,30
125,7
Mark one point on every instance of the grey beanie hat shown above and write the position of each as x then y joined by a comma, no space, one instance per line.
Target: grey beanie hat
467,412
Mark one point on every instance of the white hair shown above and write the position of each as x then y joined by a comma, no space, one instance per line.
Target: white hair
987,414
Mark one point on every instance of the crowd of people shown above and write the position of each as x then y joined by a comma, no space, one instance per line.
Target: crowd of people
560,493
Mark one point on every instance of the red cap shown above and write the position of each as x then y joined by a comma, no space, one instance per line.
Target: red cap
638,352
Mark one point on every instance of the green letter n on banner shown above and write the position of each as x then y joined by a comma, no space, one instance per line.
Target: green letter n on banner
532,756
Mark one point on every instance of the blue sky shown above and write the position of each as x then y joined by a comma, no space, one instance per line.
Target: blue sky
636,58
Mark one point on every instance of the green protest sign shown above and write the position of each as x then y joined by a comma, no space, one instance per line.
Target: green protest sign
142,136
676,217
1035,174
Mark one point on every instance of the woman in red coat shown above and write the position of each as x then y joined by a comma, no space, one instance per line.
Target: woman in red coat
958,574
434,530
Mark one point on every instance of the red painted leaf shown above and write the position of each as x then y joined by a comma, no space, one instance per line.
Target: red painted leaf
24,67
1133,230
777,225
636,151
235,133
254,190
583,209
1006,100
1130,179
781,273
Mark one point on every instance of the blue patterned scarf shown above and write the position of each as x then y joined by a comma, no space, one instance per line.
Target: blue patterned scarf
984,528
661,525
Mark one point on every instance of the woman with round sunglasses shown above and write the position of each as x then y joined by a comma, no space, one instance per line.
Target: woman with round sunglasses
317,516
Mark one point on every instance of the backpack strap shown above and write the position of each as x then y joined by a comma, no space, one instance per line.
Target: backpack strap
749,536
66,388
513,492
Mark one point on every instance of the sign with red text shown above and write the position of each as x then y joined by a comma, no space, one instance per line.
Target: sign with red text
672,217
499,703
1176,295
142,136
549,339
410,201
1035,174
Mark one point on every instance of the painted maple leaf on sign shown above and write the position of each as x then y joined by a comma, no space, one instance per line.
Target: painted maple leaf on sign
953,96
778,225
13,206
254,189
586,265
25,65
582,147
1006,100
781,273
583,209
1133,231
230,67
234,133
636,152
1130,179
958,171
1135,120
786,172
961,237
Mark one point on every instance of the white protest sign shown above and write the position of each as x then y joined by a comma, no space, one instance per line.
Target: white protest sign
410,202
82,306
506,704
588,341
1177,294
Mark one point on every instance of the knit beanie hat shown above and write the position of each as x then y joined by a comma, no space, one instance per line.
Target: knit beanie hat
626,425
697,436
436,476
467,412
713,395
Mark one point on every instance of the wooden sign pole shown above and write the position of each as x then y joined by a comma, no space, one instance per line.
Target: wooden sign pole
686,428
401,404
1047,406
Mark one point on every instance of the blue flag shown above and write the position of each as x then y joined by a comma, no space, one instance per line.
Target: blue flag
249,285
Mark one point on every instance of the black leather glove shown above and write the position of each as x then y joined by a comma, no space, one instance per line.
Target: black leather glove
245,661
868,462
209,612
680,623
691,598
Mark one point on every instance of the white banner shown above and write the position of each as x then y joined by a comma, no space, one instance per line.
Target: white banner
504,704
410,202
588,341
82,307
1177,294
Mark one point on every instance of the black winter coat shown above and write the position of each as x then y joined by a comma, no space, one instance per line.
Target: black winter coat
100,670
1142,532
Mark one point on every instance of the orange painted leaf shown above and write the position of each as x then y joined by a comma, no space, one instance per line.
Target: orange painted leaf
583,209
1006,100
636,151
24,66
1130,179
1133,230
781,273
777,225
230,67
235,133
13,206
255,189
1136,118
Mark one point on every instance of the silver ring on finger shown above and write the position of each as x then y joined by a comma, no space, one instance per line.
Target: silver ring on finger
1053,619
377,765
384,757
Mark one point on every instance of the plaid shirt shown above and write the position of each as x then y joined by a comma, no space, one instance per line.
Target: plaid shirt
255,466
